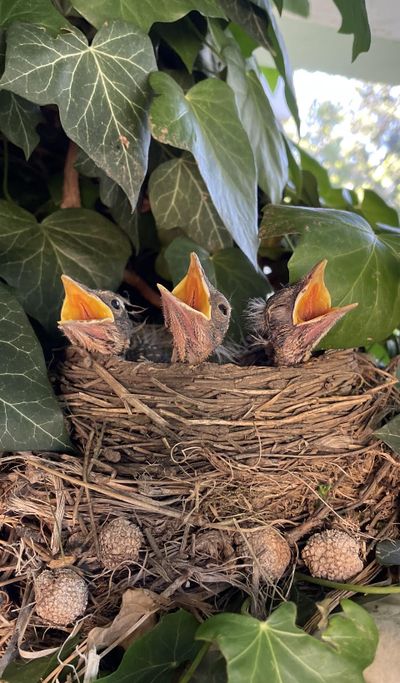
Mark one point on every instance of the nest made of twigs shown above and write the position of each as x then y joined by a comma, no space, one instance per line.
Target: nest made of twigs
199,459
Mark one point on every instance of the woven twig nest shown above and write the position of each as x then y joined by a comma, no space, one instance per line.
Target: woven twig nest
200,460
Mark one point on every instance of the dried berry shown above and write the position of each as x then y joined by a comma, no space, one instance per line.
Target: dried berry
120,542
61,596
332,555
268,550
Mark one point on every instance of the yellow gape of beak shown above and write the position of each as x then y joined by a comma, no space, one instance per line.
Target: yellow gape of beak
193,289
80,304
314,299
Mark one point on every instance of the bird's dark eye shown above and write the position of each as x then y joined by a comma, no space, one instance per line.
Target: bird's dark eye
223,309
115,303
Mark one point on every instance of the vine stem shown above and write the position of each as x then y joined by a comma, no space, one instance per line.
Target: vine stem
187,675
5,171
351,587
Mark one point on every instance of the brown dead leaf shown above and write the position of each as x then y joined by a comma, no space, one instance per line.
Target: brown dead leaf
136,604
60,562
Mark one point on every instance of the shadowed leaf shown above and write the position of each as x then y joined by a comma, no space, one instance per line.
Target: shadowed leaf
158,654
78,242
30,417
390,434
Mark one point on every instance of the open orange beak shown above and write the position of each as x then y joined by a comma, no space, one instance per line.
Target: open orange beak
313,307
191,293
81,304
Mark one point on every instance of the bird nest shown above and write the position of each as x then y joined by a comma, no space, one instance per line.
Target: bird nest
200,458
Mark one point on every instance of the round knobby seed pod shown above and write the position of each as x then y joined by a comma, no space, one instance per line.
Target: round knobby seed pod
120,542
61,596
268,550
332,555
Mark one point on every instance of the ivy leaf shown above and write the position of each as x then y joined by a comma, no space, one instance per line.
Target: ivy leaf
375,210
78,242
183,39
101,91
390,434
300,7
18,117
353,634
277,651
30,417
331,196
257,117
157,655
112,196
361,268
239,281
40,12
18,121
204,121
355,21
260,23
387,552
143,13
179,199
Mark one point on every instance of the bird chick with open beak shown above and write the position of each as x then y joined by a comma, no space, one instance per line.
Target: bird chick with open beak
96,320
196,314
291,323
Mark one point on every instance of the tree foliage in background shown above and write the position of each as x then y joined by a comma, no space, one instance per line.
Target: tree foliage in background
358,143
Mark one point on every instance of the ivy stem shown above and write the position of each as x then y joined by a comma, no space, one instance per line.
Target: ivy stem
5,171
351,587
187,675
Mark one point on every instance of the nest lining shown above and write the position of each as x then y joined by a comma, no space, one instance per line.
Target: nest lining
195,456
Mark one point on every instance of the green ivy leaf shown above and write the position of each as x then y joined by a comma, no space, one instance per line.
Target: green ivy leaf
355,21
158,654
387,552
18,117
300,7
78,242
143,13
260,23
183,40
40,12
204,121
390,434
101,91
375,210
239,281
18,121
277,651
179,199
30,417
257,117
361,268
36,670
112,196
353,634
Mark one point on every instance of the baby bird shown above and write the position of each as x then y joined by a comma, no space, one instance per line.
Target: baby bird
291,323
96,320
196,314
